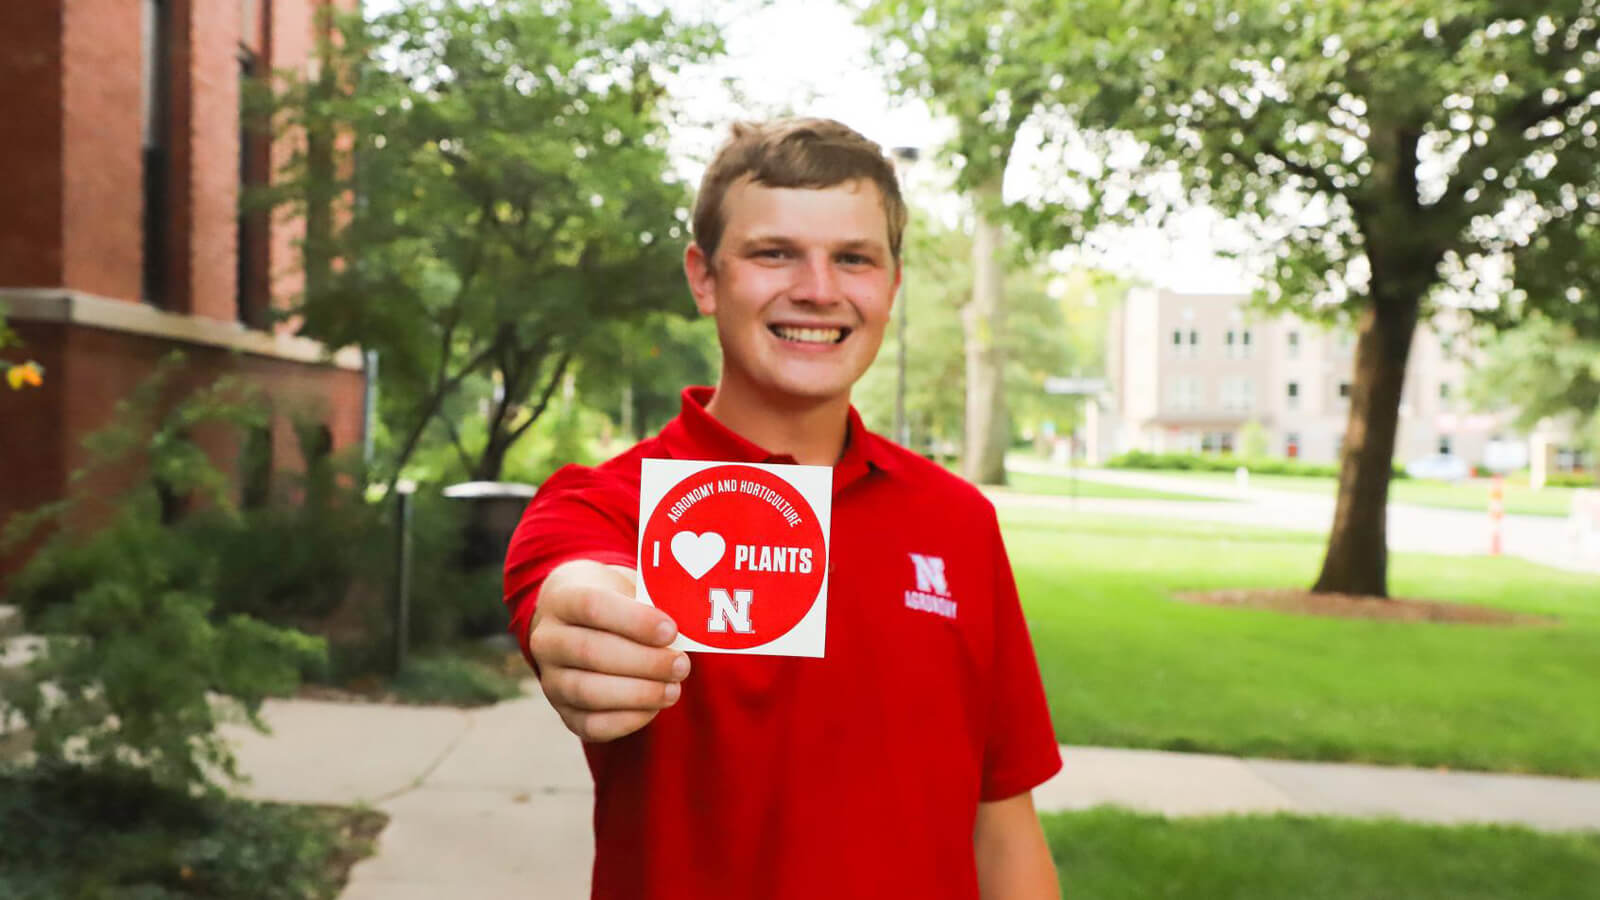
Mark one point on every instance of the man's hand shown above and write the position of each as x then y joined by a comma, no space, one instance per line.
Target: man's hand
602,655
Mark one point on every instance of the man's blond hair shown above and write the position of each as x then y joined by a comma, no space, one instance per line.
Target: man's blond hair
795,153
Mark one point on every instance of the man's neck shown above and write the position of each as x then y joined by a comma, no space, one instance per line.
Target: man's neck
812,433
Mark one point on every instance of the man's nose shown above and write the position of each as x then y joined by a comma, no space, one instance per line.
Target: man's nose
816,281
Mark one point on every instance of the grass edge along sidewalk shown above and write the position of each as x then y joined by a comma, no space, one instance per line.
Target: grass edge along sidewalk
1124,665
1112,854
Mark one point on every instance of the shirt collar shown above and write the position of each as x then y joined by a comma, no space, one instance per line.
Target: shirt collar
696,434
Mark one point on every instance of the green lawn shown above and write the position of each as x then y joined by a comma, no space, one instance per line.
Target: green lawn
1034,483
1473,495
1124,665
1106,854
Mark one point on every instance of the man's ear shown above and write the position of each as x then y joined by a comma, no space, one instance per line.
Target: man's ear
702,279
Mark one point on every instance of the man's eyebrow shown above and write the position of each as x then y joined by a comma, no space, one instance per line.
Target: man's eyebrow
858,244
852,245
755,239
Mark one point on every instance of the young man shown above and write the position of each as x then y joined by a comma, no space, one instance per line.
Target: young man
899,765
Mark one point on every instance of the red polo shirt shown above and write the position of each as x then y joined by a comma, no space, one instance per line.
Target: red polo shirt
855,775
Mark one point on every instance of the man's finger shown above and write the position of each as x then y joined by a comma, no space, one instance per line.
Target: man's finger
610,611
605,726
573,647
593,692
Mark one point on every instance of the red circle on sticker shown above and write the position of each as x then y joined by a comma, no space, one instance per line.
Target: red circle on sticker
735,555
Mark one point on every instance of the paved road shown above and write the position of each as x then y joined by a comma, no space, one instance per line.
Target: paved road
496,803
1542,539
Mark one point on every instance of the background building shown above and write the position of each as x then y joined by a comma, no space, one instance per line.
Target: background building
125,156
1188,372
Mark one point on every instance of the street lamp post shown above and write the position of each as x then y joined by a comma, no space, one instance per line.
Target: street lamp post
902,425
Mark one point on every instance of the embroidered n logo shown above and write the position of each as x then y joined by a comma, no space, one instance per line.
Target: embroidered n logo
930,574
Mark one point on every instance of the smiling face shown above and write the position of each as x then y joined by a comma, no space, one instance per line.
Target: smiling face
801,286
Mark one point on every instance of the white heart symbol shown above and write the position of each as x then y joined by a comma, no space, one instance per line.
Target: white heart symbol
697,553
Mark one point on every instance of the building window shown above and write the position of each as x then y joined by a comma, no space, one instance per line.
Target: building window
1244,344
1227,344
1291,445
1294,345
1292,395
1238,394
250,283
156,87
1177,342
1194,343
1344,390
1444,394
1444,445
1217,442
1183,393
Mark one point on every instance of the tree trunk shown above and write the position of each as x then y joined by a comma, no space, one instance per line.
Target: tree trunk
1357,560
987,430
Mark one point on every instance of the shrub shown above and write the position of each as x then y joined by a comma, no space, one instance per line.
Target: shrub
458,682
68,832
147,666
1570,479
1190,462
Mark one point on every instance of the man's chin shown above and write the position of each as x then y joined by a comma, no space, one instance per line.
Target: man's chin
800,392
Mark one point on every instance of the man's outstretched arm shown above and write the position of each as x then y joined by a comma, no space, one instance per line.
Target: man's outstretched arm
1013,859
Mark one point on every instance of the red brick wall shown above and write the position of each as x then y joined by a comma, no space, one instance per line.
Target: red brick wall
30,154
212,132
291,44
72,193
101,203
32,469
89,370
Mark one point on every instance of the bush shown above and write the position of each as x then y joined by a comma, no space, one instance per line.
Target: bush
1570,479
453,681
146,666
66,832
1190,462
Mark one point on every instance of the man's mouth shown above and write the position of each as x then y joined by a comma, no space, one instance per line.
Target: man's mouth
809,335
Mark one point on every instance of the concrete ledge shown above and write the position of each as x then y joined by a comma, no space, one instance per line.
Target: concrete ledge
88,310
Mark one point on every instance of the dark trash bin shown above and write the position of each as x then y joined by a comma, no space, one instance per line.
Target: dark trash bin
493,510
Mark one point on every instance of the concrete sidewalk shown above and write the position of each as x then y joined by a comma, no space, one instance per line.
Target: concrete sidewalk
496,802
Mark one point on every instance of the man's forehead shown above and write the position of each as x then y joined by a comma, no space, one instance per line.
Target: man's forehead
754,209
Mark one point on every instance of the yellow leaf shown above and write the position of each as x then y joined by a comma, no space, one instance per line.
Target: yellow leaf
28,374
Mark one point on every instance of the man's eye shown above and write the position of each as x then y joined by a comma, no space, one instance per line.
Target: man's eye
855,259
772,253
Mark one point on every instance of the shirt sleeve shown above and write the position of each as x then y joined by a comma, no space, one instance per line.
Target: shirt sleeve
578,513
1021,752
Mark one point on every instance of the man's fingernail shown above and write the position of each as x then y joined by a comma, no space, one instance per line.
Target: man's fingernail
673,690
680,667
664,632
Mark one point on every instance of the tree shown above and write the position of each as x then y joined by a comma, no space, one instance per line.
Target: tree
940,272
1543,369
639,368
499,188
956,64
1386,153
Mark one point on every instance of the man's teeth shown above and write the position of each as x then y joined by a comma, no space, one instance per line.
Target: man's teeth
809,335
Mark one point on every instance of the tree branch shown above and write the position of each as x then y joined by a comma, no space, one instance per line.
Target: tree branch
544,398
455,440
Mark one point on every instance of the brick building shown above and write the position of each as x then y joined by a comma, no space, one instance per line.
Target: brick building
124,156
